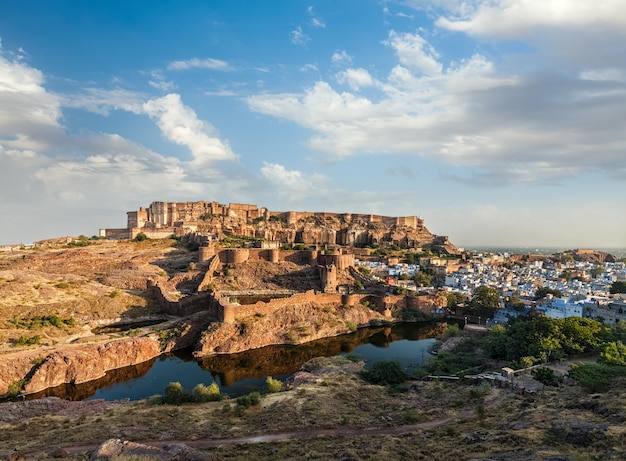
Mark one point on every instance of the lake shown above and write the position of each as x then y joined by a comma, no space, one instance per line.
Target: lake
242,373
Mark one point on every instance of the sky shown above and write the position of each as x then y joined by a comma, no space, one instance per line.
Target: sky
499,122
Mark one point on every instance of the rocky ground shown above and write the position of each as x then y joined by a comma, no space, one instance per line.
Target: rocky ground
327,413
84,287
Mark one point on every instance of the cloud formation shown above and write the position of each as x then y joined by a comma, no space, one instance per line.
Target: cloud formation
180,124
197,63
535,124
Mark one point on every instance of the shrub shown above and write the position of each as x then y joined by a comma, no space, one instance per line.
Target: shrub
255,398
385,372
547,376
351,326
24,341
210,393
273,385
140,237
155,399
175,394
595,377
244,402
15,387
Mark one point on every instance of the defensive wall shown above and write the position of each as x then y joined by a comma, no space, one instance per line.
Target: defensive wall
172,215
220,309
241,255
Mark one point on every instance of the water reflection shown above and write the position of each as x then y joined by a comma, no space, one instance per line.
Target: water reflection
244,372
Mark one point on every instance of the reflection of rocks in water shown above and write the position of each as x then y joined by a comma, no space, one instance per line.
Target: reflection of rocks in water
410,331
85,390
287,359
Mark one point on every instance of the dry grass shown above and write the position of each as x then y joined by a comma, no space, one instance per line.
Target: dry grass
90,284
562,422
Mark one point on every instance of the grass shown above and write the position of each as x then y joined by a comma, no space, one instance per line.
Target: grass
489,424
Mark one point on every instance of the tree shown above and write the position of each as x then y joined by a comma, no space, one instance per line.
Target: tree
422,279
614,353
514,302
455,299
618,287
542,292
484,302
596,270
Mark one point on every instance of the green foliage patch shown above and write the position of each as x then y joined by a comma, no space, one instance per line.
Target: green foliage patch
385,373
596,377
42,321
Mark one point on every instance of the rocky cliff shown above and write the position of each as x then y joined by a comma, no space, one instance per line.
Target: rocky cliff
295,324
39,370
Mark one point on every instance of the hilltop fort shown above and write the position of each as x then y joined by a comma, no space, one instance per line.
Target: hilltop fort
164,219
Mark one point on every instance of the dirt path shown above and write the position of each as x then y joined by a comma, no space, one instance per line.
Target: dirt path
343,431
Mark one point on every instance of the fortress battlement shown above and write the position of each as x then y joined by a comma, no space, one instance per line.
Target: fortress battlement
163,219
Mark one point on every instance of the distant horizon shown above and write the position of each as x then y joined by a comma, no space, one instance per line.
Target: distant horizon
619,251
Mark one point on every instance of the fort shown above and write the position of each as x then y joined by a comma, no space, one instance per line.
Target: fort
216,220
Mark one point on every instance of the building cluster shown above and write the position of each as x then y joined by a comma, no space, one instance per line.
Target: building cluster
584,286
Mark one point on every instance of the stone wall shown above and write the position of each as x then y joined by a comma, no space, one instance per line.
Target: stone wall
268,308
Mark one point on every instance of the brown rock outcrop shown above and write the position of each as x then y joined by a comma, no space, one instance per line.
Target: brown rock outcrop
78,365
294,324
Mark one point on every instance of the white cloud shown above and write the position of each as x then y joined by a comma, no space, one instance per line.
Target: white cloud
197,63
341,58
309,68
29,114
520,126
515,18
355,78
292,185
315,21
415,52
180,124
298,37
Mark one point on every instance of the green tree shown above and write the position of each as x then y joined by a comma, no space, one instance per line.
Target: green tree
484,301
614,353
618,287
542,292
596,270
514,302
456,299
422,279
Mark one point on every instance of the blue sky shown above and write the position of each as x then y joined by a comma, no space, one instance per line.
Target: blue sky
499,122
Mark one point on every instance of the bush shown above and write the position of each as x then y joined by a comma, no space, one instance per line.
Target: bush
595,377
24,341
175,394
140,237
273,385
385,372
210,393
547,376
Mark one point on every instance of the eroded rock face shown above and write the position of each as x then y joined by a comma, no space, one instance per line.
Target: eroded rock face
90,362
295,324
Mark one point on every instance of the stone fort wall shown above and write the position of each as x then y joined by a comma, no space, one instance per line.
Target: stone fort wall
186,214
